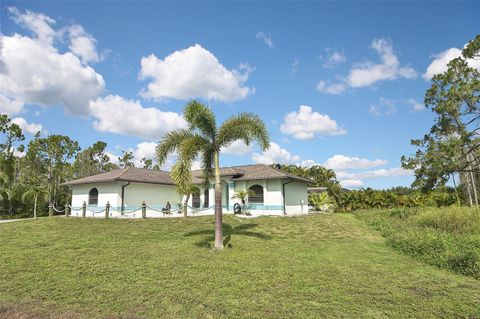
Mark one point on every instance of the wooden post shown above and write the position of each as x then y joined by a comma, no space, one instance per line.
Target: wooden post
50,210
107,210
67,210
144,210
84,209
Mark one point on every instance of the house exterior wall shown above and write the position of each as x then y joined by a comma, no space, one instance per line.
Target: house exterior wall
296,198
156,197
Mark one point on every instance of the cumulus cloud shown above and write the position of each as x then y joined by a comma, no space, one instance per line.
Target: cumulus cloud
275,154
38,23
267,39
368,73
305,123
343,162
383,107
441,60
191,73
416,106
128,117
30,128
10,106
34,71
82,44
390,172
238,148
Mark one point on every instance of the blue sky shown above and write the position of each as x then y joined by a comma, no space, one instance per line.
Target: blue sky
338,84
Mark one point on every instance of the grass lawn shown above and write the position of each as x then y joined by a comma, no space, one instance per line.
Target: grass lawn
317,266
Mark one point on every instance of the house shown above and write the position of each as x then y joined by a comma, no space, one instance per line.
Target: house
274,192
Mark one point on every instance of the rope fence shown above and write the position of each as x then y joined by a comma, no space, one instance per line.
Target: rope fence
119,212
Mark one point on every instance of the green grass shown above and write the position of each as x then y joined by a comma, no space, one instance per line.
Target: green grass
446,237
318,266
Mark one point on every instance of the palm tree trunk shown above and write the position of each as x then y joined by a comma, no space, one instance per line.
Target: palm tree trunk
35,206
218,204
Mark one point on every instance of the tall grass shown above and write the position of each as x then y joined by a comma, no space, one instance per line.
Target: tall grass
446,237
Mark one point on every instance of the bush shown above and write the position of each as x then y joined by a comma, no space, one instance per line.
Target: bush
445,237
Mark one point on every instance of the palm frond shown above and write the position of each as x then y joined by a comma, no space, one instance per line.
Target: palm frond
182,176
247,127
200,117
170,143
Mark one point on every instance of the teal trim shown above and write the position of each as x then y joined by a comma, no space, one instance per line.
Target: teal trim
264,207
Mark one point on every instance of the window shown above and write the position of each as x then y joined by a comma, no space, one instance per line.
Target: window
206,200
93,197
195,201
256,196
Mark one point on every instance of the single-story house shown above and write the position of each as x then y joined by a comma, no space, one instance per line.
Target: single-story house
274,192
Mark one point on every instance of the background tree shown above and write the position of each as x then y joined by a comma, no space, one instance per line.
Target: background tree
126,160
452,147
50,159
203,140
93,160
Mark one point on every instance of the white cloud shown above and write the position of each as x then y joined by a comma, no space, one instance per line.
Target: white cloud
238,148
275,154
440,63
267,39
38,23
118,115
343,162
308,163
31,128
367,74
416,106
305,123
379,173
113,158
384,107
82,44
351,183
145,150
10,106
33,71
331,88
333,58
193,72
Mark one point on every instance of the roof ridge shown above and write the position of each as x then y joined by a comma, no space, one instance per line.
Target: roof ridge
125,169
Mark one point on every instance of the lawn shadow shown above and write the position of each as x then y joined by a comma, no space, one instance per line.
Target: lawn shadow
228,231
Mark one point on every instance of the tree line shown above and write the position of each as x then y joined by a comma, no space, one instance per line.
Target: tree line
31,175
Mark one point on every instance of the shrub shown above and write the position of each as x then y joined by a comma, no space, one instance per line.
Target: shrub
444,237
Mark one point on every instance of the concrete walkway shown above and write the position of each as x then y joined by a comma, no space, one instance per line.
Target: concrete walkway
13,220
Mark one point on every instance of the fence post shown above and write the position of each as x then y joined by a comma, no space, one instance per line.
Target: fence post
144,210
50,210
84,209
67,210
107,210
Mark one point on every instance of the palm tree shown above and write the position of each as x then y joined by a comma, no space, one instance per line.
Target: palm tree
35,192
242,195
203,140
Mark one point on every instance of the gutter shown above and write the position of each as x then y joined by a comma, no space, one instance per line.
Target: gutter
283,195
123,197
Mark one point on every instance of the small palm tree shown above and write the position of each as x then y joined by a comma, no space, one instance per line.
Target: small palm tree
243,195
203,140
34,192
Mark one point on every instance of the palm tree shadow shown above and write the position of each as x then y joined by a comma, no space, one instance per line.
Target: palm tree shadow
228,231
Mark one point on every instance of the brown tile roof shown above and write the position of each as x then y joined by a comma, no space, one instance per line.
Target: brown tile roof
254,172
140,175
129,174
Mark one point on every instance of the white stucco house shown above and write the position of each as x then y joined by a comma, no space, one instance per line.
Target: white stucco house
275,192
